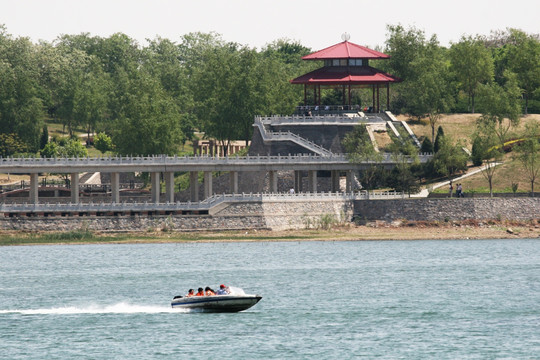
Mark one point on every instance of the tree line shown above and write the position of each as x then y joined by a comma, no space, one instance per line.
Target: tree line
151,99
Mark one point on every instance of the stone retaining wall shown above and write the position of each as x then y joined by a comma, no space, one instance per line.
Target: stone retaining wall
275,215
294,214
448,209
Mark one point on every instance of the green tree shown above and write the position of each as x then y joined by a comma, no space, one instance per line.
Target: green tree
404,47
427,146
11,144
360,150
50,150
147,121
90,99
438,139
523,59
528,152
21,109
488,149
234,83
472,65
402,176
163,61
64,148
77,97
429,93
450,159
103,142
500,106
44,139
477,154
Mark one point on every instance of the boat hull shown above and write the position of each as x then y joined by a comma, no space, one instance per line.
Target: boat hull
217,303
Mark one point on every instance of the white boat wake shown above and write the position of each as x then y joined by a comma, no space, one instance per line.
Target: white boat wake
120,308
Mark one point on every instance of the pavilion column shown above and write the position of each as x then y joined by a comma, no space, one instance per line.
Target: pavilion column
34,186
273,178
387,96
350,180
207,184
75,188
335,180
312,180
115,187
169,186
194,185
378,107
297,181
373,90
233,182
156,188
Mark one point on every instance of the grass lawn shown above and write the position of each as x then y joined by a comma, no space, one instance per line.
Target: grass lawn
461,127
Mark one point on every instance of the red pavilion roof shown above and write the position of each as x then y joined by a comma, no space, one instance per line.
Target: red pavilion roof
345,50
339,75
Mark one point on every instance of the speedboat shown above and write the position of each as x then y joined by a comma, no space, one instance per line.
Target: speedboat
235,301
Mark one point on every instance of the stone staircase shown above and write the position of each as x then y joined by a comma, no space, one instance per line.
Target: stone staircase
269,136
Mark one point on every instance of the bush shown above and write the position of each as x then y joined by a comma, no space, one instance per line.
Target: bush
103,142
477,152
427,146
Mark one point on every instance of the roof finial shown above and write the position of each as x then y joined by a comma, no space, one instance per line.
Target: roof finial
345,36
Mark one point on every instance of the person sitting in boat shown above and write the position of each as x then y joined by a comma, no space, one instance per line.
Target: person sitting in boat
200,292
209,291
190,293
223,290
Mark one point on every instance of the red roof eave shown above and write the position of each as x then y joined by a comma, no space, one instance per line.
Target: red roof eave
344,76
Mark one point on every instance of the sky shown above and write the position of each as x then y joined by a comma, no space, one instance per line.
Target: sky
316,24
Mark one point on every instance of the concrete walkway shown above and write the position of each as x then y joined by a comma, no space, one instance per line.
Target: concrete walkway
425,192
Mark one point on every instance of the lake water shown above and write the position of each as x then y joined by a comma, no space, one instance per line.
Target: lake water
374,299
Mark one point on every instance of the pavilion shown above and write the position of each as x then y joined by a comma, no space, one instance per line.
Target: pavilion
346,66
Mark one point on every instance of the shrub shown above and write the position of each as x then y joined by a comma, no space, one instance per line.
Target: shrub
103,142
427,146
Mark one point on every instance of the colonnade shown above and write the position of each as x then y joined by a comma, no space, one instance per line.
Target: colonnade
194,184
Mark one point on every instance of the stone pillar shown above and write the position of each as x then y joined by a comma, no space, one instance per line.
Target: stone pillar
74,188
155,187
194,185
312,180
335,180
207,184
297,181
233,182
273,180
350,180
34,186
115,187
169,186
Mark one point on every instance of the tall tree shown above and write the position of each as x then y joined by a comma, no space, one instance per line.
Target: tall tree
21,109
500,106
488,149
360,149
429,93
404,46
402,177
148,121
472,65
450,159
528,152
523,58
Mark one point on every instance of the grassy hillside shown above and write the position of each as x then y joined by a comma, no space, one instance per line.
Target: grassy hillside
461,126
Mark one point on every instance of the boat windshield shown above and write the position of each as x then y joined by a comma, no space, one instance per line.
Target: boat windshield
236,291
